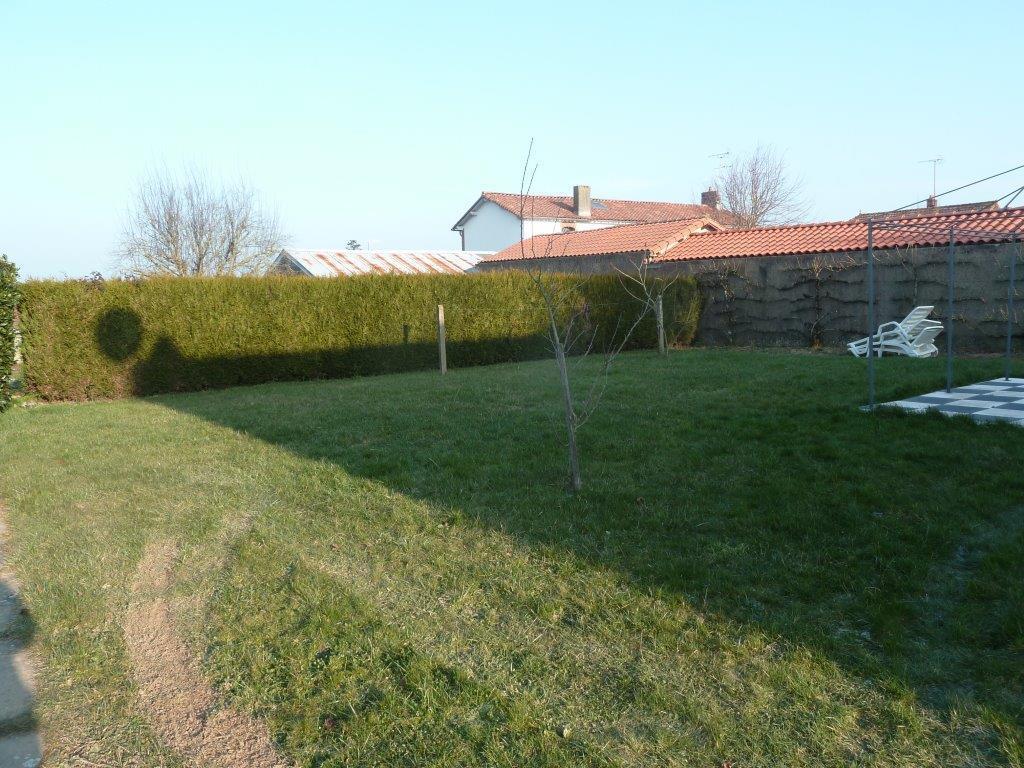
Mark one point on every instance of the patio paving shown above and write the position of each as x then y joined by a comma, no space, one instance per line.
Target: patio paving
995,400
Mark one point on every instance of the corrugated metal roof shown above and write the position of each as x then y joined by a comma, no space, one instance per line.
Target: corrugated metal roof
348,263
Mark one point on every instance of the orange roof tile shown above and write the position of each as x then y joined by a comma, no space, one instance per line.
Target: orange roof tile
836,236
625,238
601,209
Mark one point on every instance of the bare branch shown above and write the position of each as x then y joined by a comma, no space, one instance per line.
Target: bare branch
757,190
184,226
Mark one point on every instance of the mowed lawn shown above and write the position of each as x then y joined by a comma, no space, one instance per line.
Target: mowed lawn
389,571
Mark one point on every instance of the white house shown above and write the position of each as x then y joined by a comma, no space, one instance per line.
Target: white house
348,263
499,219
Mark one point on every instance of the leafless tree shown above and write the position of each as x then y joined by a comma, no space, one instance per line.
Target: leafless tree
758,191
571,331
185,225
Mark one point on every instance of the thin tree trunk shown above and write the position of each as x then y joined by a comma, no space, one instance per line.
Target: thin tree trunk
660,317
570,417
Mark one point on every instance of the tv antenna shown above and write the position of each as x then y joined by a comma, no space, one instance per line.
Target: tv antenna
935,166
720,156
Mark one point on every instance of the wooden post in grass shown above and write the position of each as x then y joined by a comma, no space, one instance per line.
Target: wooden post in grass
442,352
405,333
660,316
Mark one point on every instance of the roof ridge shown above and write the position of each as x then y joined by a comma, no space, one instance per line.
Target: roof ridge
949,214
627,225
292,249
853,223
609,199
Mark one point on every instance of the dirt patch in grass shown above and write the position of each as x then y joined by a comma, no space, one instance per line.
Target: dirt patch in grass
183,708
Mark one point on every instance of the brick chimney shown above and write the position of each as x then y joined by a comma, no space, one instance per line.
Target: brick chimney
710,198
581,201
932,202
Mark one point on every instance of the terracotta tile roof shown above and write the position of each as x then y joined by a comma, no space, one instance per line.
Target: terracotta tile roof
601,209
626,238
988,205
837,236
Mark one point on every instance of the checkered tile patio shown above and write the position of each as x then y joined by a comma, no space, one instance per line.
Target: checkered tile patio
996,400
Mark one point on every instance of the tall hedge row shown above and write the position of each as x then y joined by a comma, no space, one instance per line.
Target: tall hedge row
8,306
83,340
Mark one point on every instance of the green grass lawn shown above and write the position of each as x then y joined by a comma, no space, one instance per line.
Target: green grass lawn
389,570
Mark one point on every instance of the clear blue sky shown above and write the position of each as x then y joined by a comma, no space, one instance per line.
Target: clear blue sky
383,121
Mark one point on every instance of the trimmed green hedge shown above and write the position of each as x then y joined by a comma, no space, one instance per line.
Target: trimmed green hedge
8,306
83,340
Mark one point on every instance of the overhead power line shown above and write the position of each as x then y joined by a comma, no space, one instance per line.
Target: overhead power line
965,186
1015,193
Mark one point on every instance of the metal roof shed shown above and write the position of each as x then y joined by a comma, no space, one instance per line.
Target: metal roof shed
350,263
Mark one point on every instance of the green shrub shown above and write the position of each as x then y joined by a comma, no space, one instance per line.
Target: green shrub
8,306
86,340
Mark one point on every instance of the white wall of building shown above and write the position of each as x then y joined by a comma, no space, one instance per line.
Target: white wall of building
554,226
492,228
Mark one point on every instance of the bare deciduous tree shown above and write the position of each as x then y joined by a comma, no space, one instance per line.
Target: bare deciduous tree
187,226
571,331
757,190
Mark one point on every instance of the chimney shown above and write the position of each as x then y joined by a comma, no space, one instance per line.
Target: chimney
932,202
581,200
710,198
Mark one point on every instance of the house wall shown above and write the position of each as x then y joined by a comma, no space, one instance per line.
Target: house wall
492,228
285,265
583,265
554,226
821,299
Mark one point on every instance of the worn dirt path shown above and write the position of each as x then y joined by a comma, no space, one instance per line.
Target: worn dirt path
182,707
20,745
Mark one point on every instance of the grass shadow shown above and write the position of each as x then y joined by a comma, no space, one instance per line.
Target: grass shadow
17,714
748,484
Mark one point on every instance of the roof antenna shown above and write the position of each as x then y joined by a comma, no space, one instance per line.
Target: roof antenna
935,166
720,156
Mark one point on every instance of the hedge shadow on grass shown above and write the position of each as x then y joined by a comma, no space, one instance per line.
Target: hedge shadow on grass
165,368
801,519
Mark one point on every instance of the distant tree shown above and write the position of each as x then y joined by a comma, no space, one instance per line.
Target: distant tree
353,245
758,191
186,226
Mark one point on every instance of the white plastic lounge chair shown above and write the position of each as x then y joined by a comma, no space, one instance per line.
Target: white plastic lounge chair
913,336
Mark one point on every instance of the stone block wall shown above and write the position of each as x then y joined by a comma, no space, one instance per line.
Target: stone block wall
821,299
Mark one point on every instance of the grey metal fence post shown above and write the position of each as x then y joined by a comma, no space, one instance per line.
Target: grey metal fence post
951,278
871,315
1009,308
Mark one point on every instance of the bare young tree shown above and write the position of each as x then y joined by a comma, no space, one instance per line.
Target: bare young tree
188,226
570,330
758,191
